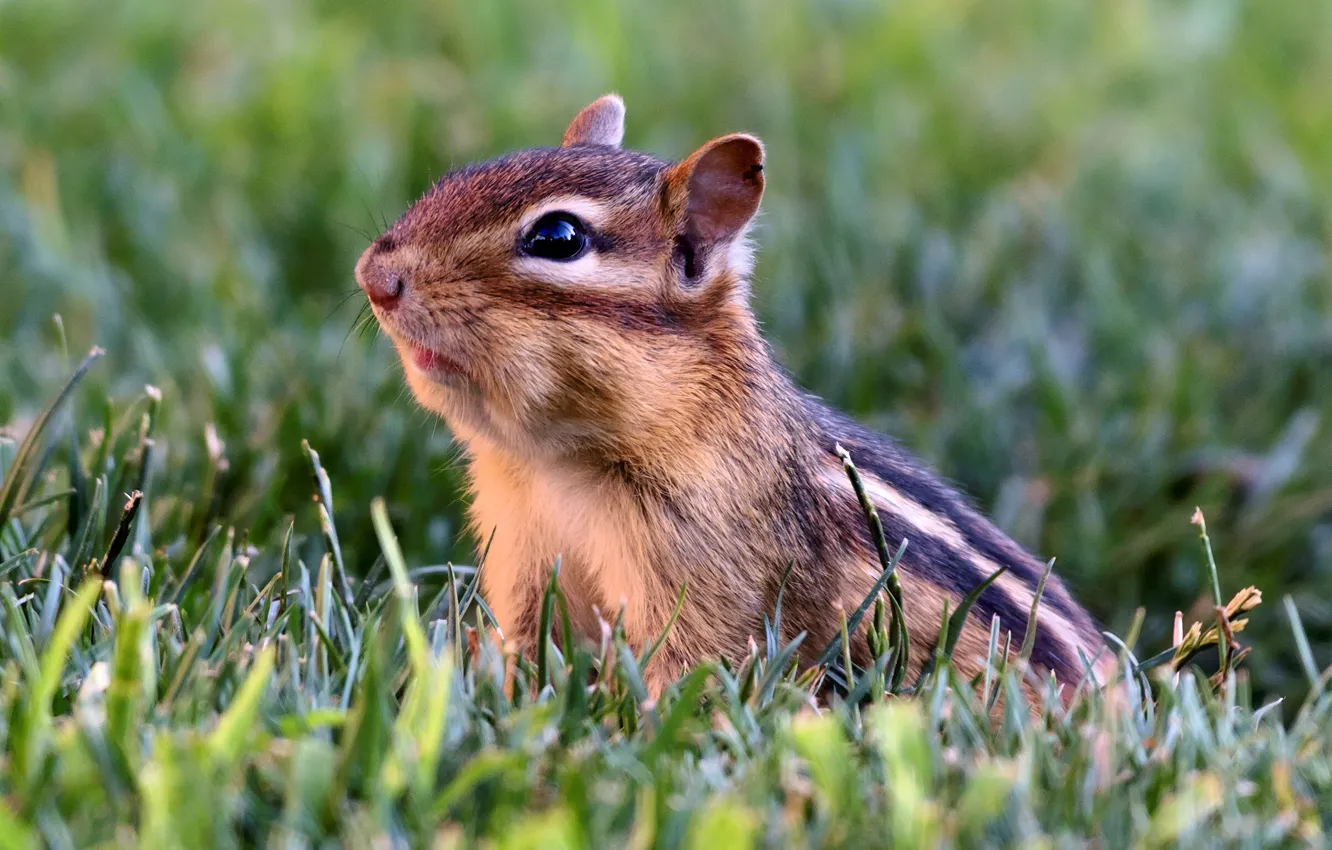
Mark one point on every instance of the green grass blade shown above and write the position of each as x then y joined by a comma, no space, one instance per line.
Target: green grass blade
723,823
72,619
324,492
192,571
14,833
1302,643
239,721
831,651
651,651
543,625
1029,639
951,628
124,698
82,548
38,725
402,590
19,477
776,668
684,707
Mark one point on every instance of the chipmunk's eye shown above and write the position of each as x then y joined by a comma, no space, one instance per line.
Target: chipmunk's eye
556,236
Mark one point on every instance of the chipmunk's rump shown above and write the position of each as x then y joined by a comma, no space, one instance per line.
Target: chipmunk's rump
951,547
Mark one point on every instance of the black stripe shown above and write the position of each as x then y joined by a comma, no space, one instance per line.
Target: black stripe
935,561
881,457
932,560
650,314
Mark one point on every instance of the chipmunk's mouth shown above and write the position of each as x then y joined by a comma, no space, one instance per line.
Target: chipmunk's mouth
433,364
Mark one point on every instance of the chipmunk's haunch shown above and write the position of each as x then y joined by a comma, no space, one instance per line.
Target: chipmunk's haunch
579,316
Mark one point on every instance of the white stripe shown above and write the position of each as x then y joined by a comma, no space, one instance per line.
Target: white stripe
886,497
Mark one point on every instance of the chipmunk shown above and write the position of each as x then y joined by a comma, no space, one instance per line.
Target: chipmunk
579,316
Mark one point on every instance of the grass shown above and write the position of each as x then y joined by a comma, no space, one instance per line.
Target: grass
1075,256
166,689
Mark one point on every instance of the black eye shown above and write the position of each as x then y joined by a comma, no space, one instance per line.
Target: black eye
556,236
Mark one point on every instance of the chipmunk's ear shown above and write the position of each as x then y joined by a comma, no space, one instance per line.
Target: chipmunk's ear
717,191
600,123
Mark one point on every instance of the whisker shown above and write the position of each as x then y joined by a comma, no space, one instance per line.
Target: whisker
349,296
369,237
382,220
369,324
357,324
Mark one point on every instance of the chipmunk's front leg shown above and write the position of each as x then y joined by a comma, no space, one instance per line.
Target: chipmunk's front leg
700,633
514,583
511,585
667,665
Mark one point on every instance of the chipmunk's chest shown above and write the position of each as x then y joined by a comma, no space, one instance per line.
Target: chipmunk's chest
537,514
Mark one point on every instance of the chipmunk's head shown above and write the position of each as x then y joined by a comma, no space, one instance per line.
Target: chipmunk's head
559,298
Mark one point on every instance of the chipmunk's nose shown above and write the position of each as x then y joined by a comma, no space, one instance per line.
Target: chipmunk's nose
384,289
380,279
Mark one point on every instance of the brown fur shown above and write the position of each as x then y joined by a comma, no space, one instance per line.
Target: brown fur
622,412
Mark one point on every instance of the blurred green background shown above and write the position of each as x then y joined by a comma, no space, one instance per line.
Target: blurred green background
1075,255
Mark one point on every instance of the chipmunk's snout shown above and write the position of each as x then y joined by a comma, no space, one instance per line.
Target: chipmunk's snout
380,278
